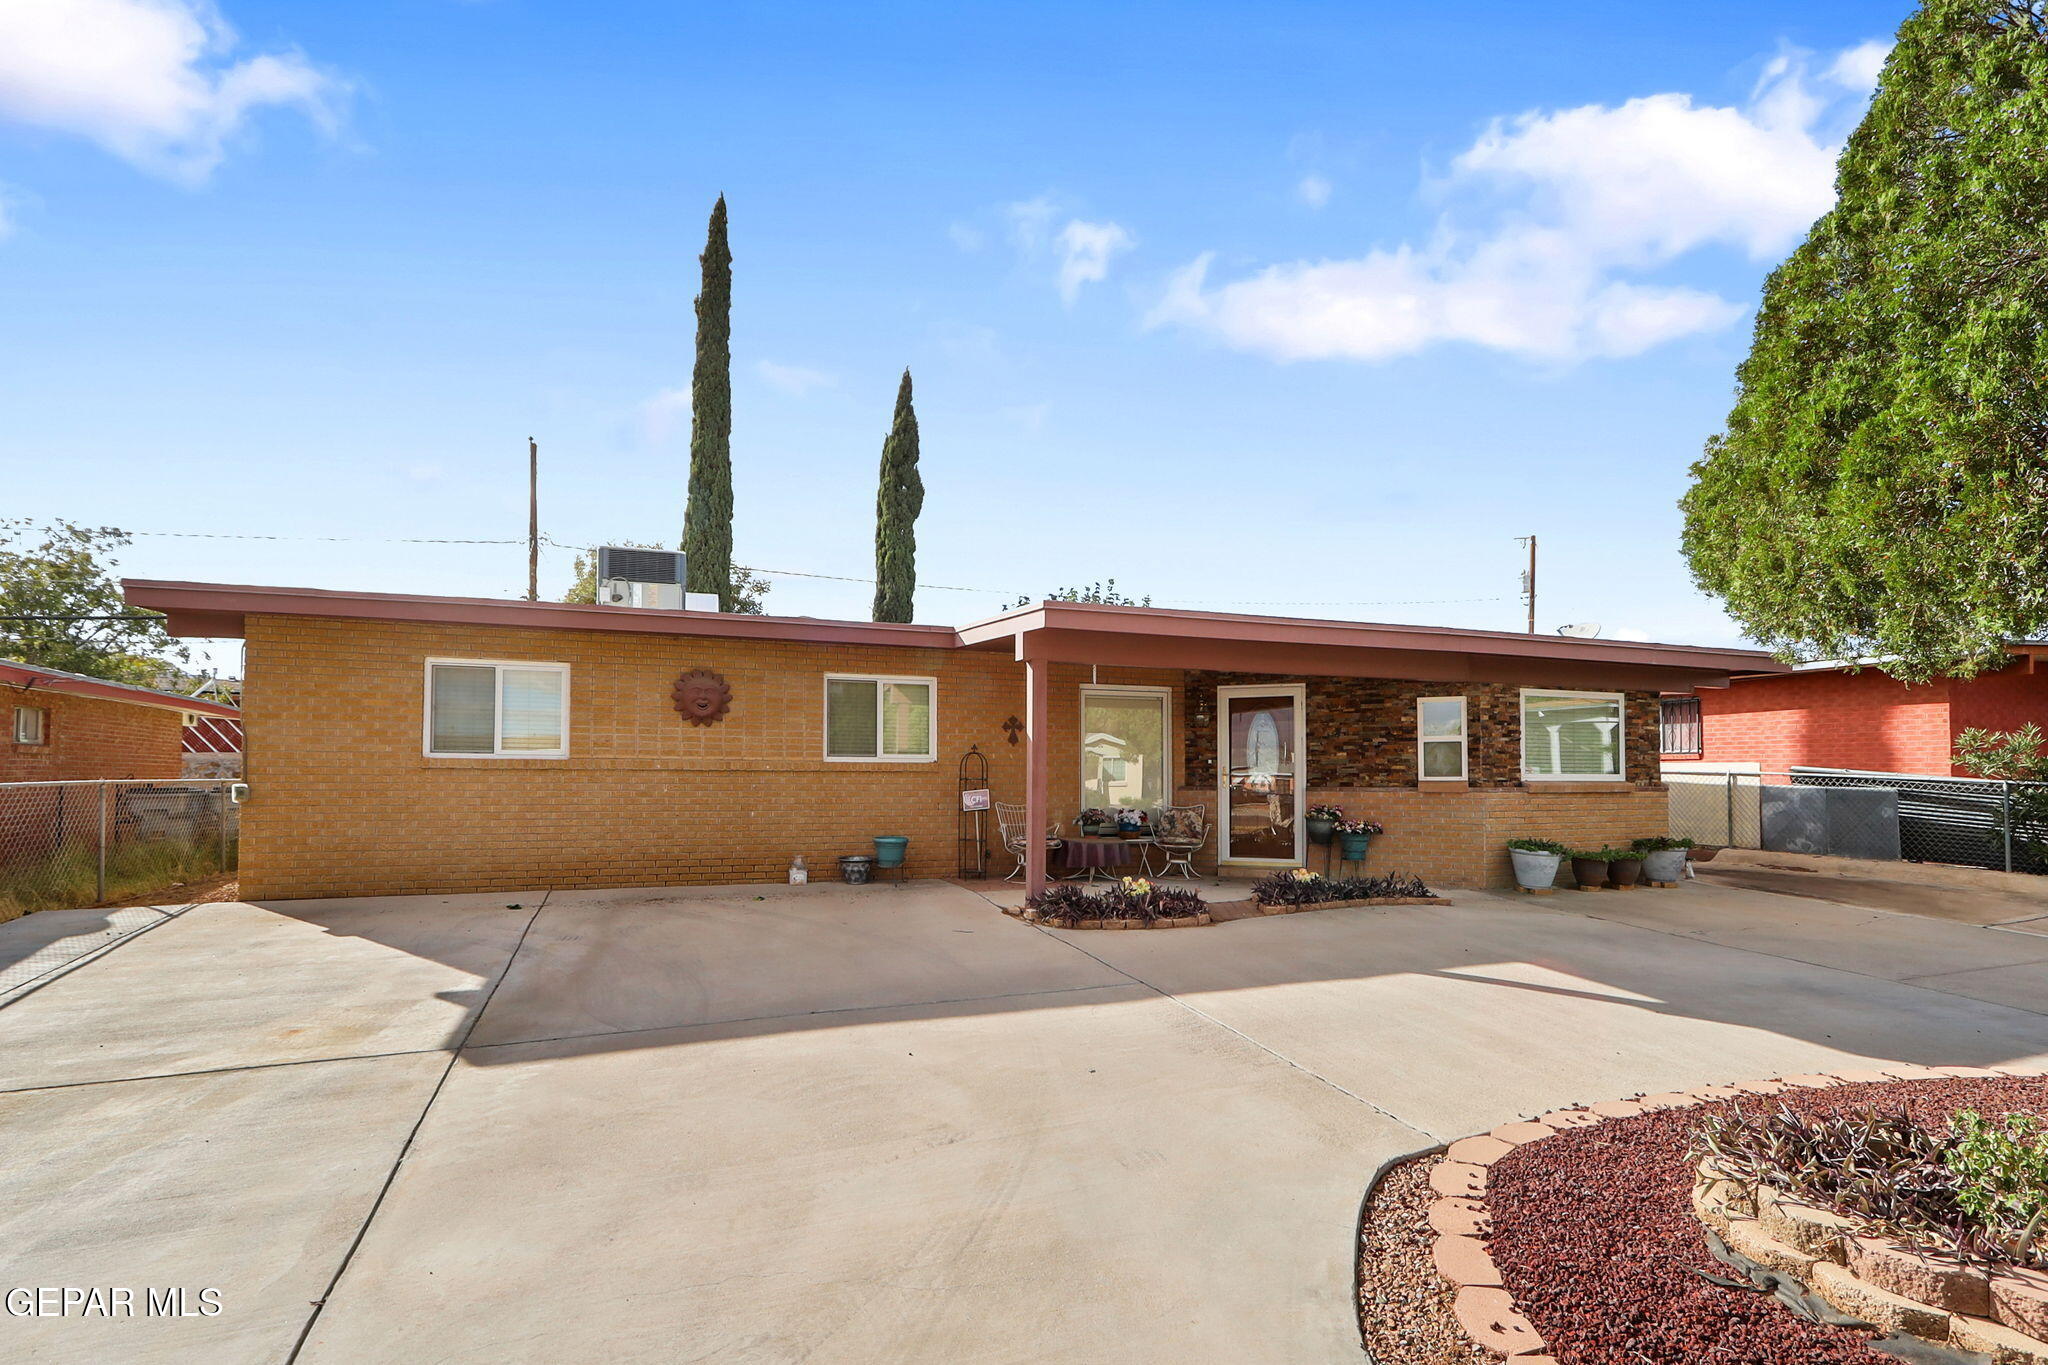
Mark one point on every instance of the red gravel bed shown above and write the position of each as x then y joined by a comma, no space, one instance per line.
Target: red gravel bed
1404,1306
1596,1239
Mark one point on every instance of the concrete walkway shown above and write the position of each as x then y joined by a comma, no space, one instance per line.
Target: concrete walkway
862,1124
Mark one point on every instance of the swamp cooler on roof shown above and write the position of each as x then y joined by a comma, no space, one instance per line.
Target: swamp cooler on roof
632,576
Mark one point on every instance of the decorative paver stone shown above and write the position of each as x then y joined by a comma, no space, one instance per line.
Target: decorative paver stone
1941,1281
1490,1318
1457,1217
1478,1151
2019,1299
1458,1178
1463,1260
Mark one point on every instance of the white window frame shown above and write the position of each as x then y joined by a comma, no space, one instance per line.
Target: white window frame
930,755
1464,773
42,725
1620,699
497,707
1165,695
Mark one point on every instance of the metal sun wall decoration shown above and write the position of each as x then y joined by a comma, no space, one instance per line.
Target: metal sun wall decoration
702,696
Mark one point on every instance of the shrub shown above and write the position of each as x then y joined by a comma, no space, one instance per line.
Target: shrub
1595,855
1130,898
1658,843
1975,1189
1302,887
1539,846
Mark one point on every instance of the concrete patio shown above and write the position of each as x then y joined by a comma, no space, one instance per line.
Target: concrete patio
856,1124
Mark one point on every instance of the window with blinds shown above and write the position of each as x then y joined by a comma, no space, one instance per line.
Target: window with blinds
1573,736
880,719
497,710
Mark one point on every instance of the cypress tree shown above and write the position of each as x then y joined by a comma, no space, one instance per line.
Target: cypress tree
707,519
1881,487
897,503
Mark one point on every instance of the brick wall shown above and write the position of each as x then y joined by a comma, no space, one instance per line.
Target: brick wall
2005,700
343,802
1459,837
1361,731
89,737
1865,720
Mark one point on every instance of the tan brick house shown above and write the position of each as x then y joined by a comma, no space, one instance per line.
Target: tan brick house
400,743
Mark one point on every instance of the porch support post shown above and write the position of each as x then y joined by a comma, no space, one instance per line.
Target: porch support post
1037,740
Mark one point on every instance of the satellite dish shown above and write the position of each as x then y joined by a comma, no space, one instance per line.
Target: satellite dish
1581,630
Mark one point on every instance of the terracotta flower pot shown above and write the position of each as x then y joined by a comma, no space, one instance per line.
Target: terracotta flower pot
1625,871
1589,871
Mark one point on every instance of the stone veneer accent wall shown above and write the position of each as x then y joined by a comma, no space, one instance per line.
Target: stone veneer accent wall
1361,731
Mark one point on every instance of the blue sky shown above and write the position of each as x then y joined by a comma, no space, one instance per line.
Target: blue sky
1293,307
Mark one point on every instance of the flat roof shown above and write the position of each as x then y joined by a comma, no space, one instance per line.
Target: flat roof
1055,631
36,678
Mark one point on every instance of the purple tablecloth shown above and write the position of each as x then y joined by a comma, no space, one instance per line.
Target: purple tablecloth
1083,852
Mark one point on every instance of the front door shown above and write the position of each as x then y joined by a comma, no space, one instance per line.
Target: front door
1259,772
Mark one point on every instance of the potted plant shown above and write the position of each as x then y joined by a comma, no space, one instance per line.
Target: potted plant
1589,866
1624,867
1130,822
1322,820
1536,862
1663,858
1096,820
1354,838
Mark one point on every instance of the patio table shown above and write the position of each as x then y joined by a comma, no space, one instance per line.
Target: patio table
1085,853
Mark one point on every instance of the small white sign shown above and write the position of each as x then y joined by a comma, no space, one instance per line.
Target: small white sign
974,800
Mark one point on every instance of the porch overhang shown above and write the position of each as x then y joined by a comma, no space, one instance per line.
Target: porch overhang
1145,637
1287,647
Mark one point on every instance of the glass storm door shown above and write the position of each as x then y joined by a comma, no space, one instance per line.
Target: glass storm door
1260,732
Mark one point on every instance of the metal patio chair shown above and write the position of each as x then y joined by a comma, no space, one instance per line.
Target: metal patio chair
1179,833
1010,822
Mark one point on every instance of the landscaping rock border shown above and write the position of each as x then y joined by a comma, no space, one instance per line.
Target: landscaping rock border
1219,912
1166,922
1874,1279
1341,905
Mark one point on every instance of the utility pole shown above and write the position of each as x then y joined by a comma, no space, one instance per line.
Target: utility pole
533,520
1529,581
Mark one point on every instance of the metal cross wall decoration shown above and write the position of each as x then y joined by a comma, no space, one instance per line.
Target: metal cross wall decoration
1013,728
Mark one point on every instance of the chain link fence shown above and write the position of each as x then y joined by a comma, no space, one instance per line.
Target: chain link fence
1967,821
70,844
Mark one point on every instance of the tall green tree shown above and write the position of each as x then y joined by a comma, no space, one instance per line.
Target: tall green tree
707,520
897,503
60,607
1881,487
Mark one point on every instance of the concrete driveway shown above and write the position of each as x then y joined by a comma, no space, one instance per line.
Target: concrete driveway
853,1124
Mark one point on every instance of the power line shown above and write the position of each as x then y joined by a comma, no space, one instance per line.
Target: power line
791,573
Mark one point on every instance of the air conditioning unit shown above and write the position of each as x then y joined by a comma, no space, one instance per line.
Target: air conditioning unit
624,592
628,576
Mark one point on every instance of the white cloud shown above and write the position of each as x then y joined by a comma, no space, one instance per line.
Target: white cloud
965,236
1858,68
663,414
1030,219
1085,251
152,81
794,380
1313,190
1575,201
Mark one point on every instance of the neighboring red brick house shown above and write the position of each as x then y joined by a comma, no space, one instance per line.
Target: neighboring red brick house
1825,716
65,726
